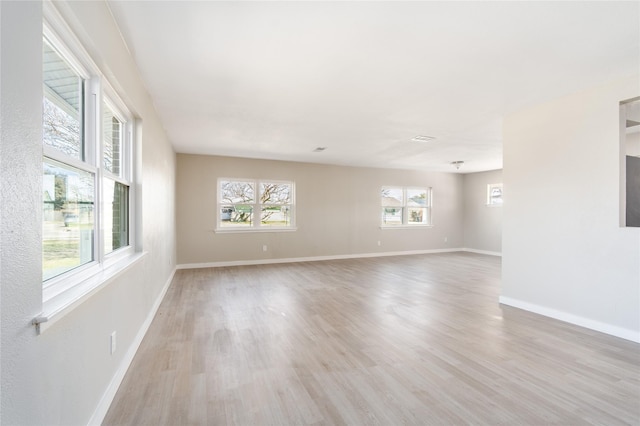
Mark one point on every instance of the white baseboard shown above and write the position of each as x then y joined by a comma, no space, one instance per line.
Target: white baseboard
491,253
107,398
310,259
623,333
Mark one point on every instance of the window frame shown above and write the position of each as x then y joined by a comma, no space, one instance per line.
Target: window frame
490,200
120,111
256,225
406,224
65,290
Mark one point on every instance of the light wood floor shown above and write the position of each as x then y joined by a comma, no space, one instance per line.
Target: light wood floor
389,341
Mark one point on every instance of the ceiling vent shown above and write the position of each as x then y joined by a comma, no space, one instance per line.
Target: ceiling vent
422,138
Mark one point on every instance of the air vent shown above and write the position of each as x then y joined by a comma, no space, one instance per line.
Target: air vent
422,138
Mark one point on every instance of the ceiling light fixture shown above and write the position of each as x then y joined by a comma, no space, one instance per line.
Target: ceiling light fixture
320,149
457,164
422,138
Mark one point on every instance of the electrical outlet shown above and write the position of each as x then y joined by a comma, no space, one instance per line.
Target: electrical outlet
264,247
113,343
446,239
379,243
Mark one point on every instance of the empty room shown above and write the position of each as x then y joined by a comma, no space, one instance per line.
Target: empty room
310,212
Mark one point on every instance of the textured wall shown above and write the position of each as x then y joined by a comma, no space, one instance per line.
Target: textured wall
20,198
62,375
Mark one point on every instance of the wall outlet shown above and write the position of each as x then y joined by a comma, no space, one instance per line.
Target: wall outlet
113,343
264,247
446,239
379,243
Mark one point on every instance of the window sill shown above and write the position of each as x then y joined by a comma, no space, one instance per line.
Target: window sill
62,304
386,228
251,230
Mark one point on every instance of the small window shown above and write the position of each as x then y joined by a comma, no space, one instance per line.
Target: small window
255,204
405,206
494,194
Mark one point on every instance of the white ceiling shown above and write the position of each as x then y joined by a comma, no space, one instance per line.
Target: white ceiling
276,80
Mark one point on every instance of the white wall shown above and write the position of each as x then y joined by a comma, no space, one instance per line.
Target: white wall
338,211
564,254
482,222
64,375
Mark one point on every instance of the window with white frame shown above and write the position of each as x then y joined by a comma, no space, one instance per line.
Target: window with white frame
494,194
250,204
87,169
405,206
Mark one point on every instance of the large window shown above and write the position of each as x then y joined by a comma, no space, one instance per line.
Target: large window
402,206
245,204
87,168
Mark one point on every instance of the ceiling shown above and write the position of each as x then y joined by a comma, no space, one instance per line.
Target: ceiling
276,80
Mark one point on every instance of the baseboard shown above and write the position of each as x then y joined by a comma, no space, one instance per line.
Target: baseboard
491,253
107,398
310,259
623,333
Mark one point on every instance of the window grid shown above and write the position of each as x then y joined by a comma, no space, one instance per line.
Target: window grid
252,204
405,206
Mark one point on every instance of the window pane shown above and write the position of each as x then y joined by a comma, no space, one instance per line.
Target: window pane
417,197
392,215
112,135
417,216
276,216
236,192
392,197
116,215
275,193
62,105
68,218
236,215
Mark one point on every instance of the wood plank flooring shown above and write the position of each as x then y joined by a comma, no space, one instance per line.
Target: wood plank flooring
381,341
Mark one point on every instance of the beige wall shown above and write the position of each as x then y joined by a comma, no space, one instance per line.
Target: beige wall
482,223
564,253
337,211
